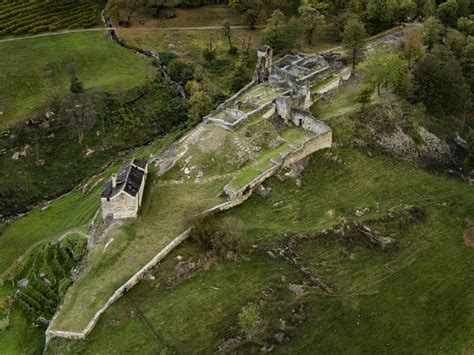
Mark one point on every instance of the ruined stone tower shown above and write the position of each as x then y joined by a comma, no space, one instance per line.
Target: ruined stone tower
264,64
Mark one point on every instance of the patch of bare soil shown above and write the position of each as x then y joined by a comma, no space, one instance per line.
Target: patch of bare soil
468,238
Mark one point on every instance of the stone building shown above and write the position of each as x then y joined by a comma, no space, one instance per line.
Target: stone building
122,194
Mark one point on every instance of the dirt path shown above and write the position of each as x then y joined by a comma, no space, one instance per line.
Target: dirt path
48,34
197,28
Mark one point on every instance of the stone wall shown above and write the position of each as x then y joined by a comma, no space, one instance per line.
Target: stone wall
121,205
50,333
311,145
234,125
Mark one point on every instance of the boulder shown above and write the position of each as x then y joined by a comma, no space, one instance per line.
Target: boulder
23,283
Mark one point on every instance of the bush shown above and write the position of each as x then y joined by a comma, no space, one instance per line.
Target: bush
180,72
223,237
167,57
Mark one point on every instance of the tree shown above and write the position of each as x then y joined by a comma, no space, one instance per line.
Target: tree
364,96
210,52
275,34
250,321
448,13
81,113
405,10
467,62
239,75
251,18
440,84
466,25
312,21
411,47
201,104
384,69
76,86
432,29
429,9
180,72
379,15
456,42
354,39
113,10
131,6
463,7
227,33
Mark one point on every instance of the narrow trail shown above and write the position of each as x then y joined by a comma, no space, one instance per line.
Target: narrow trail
191,28
104,29
49,34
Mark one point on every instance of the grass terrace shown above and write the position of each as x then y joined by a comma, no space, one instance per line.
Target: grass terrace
293,138
321,83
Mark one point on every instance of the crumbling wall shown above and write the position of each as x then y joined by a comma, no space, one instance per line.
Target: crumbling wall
309,146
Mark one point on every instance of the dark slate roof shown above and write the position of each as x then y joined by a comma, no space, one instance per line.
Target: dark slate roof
129,179
137,162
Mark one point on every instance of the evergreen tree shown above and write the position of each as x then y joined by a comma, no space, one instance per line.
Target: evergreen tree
440,84
354,39
312,21
275,34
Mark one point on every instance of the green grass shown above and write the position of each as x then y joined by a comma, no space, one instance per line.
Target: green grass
72,211
214,297
134,244
319,84
38,68
21,337
293,136
419,293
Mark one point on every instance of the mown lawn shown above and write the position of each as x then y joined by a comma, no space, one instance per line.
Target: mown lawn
36,69
415,299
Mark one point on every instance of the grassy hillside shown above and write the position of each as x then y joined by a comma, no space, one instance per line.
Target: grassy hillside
65,217
38,70
30,17
419,292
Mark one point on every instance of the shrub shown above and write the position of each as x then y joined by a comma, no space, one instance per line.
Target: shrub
180,72
222,237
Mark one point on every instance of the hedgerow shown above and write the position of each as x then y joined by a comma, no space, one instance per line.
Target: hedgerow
30,17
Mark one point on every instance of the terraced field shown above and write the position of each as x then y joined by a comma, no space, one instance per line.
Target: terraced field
30,17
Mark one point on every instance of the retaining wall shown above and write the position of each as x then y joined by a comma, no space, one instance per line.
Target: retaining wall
309,146
117,294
